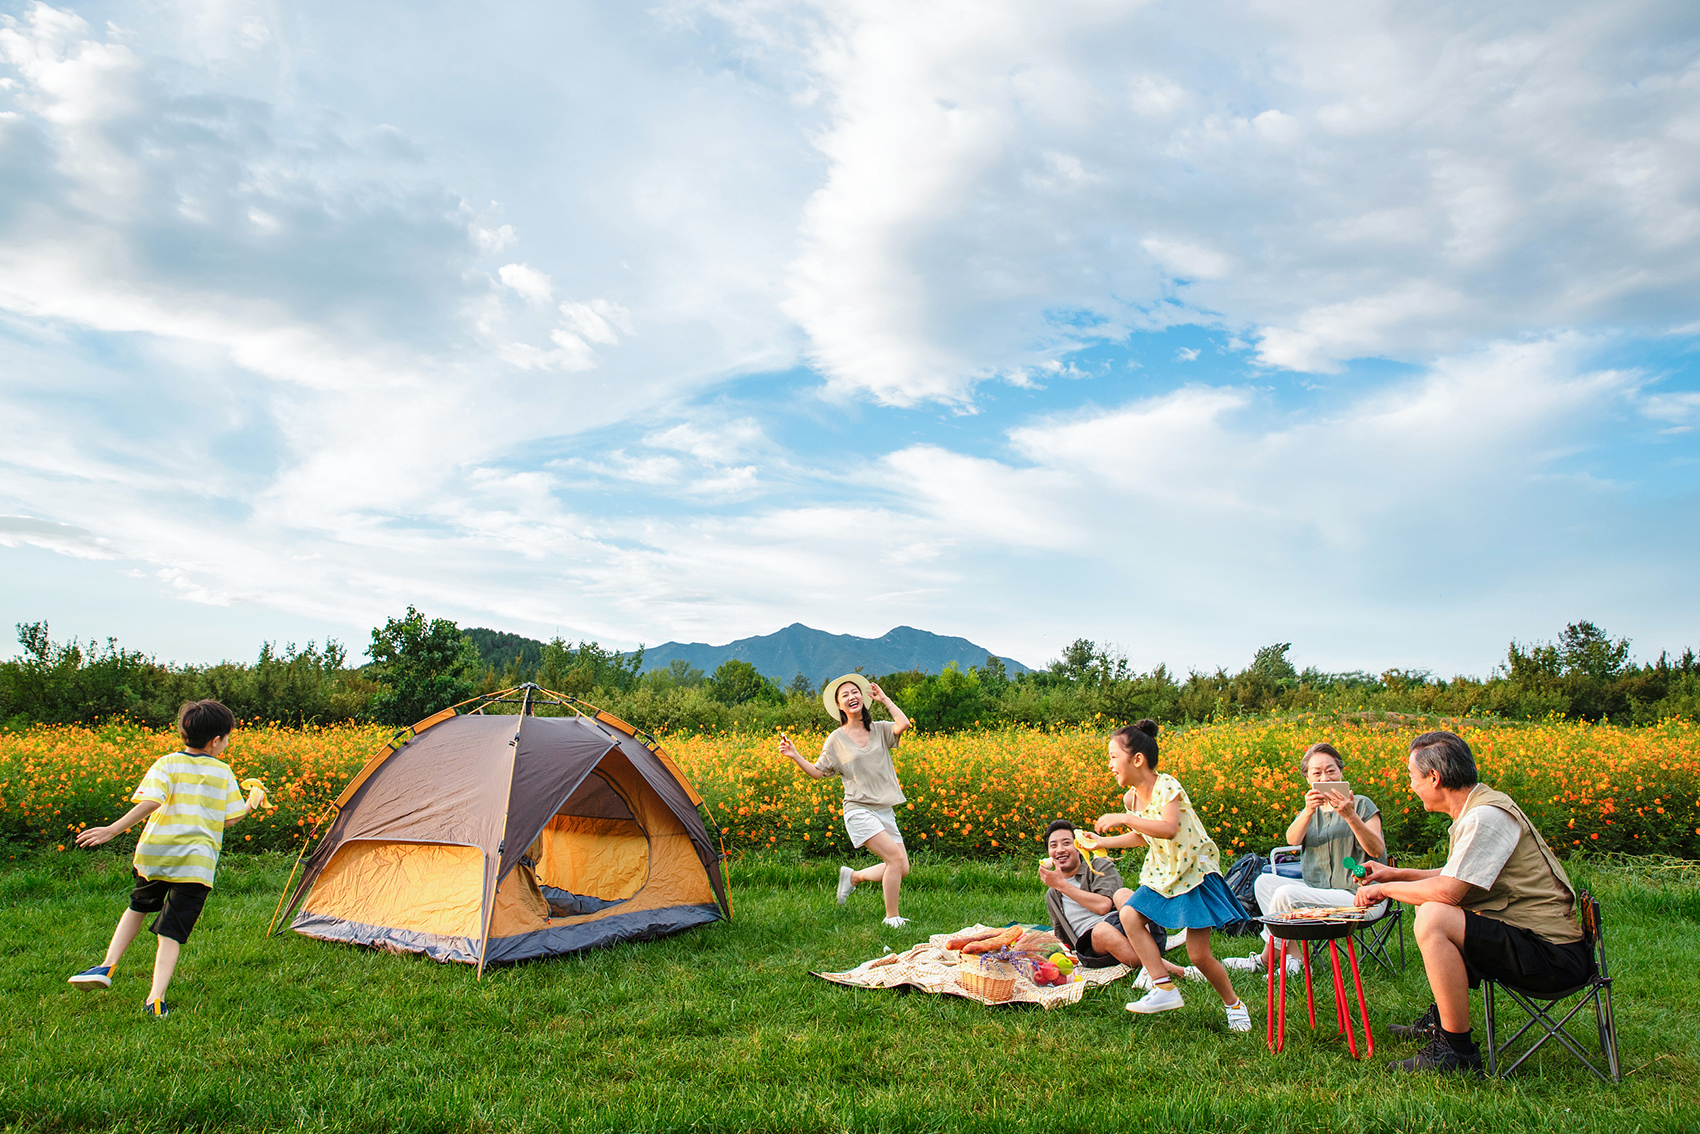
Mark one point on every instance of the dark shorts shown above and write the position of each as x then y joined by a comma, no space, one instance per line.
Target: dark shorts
1093,959
1510,955
177,903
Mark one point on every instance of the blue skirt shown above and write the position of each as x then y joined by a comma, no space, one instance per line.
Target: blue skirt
1205,906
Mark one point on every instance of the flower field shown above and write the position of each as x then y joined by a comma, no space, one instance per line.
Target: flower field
986,794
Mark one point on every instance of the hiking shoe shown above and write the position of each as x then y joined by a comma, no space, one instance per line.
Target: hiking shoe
846,883
98,977
896,922
1440,1056
1239,1017
1424,1026
1157,1000
157,1009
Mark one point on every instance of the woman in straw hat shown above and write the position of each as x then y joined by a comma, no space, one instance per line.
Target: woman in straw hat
859,750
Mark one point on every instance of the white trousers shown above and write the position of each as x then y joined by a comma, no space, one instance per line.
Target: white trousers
1277,895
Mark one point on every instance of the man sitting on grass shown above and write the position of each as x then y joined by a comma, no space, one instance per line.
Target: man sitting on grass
1501,908
1080,901
188,799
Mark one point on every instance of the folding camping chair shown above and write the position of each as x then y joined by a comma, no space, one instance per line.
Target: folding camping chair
1542,1006
1375,938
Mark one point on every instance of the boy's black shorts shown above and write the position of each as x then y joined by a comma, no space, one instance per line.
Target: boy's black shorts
177,903
1093,959
1497,951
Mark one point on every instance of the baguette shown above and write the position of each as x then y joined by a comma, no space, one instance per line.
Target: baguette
962,939
1002,939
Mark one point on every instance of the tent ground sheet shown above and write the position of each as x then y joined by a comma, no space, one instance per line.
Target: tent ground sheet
931,967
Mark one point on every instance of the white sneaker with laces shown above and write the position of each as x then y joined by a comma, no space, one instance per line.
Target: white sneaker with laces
846,883
1239,1017
896,922
1143,982
1157,1000
1251,964
1192,972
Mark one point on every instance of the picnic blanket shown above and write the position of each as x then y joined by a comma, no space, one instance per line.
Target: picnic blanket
931,967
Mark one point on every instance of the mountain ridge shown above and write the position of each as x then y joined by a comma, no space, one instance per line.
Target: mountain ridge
820,656
781,655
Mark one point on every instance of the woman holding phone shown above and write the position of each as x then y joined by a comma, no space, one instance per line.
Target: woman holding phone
1333,826
859,750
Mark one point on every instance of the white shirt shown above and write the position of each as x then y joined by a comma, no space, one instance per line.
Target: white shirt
1482,845
1080,919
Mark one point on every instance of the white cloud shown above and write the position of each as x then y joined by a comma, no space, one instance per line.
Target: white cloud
20,531
292,281
527,282
1333,181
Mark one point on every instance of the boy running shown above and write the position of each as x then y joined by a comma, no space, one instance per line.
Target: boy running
188,799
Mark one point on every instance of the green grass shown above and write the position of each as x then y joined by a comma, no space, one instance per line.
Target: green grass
723,1028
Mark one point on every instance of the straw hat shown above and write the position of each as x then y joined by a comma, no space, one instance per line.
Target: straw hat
829,693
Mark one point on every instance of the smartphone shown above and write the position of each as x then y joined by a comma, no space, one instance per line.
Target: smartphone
1333,787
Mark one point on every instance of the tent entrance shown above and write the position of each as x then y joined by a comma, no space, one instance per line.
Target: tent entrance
593,853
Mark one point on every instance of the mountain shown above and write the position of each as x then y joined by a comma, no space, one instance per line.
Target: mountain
781,655
820,656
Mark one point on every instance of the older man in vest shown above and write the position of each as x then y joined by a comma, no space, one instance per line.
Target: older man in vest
1501,908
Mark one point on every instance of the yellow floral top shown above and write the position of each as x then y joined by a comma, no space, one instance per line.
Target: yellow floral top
1174,866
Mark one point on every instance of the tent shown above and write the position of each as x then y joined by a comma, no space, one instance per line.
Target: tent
490,835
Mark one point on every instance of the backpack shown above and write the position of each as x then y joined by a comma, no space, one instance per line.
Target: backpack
1241,877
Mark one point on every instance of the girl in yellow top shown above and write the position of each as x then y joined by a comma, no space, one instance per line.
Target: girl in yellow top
1181,883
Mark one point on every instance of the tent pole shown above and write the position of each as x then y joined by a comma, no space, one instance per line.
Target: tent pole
281,898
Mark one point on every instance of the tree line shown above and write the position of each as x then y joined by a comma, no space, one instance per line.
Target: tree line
417,665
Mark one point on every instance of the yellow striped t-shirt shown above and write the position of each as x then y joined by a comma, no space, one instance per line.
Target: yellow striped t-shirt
196,794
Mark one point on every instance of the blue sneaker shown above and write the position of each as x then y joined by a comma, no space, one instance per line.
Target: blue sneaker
98,977
156,1008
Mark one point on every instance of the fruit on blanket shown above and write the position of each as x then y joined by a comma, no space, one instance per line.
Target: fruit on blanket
1062,963
1047,974
1002,939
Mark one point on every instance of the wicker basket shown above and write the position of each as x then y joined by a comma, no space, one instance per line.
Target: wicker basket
993,980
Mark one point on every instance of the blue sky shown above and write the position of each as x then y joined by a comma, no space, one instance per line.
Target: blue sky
1185,328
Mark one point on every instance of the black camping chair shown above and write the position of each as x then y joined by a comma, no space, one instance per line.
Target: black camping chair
1542,1006
1375,938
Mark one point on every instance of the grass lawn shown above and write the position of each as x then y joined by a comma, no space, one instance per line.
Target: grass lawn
723,1028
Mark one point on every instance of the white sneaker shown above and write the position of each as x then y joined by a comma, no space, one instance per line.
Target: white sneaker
1192,972
1251,964
1295,966
846,883
1239,1018
1157,1000
896,922
1143,982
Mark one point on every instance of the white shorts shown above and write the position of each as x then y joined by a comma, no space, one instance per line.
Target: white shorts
863,823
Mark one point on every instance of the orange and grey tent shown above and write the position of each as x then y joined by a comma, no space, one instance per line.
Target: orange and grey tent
489,836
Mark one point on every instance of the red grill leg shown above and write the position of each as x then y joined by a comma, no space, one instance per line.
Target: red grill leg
1340,1000
1310,996
1363,1009
1269,1004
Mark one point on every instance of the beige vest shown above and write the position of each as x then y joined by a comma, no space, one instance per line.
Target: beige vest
1532,891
